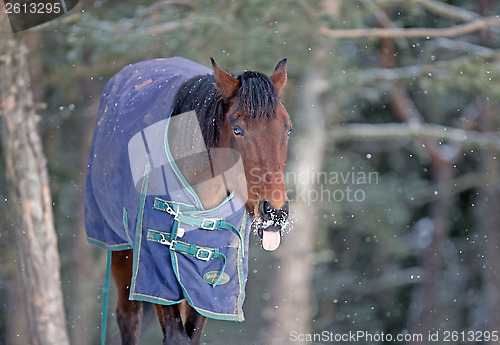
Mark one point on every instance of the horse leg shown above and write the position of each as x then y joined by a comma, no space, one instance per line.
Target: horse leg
128,313
171,324
194,326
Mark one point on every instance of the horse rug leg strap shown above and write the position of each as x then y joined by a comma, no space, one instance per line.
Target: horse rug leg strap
199,252
105,297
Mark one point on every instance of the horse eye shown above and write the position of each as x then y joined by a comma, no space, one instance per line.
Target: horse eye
238,131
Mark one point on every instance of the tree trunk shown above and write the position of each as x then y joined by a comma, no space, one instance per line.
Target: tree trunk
490,203
490,222
291,289
428,309
425,314
16,330
29,196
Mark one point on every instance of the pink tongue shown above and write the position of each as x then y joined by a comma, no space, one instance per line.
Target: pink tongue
270,240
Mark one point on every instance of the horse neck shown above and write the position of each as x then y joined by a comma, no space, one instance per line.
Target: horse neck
196,164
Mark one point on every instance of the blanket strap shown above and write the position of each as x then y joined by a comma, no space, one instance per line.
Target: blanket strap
105,297
199,222
181,213
199,252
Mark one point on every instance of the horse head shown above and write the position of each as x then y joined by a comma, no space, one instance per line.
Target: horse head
257,125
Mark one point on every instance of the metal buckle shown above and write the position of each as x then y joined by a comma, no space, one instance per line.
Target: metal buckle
172,244
166,206
211,227
171,211
204,254
165,241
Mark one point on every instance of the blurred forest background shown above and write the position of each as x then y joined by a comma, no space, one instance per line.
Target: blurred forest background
407,90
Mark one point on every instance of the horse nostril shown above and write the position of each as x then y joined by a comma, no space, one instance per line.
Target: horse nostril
267,207
266,210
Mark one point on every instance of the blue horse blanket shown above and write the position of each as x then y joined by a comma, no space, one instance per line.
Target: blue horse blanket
137,198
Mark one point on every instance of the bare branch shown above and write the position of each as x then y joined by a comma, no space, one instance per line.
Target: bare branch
463,47
372,75
437,7
457,30
447,11
391,131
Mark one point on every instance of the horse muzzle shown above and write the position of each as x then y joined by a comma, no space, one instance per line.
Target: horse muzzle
272,223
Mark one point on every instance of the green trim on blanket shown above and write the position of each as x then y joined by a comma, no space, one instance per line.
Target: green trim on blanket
176,169
112,247
206,313
125,224
138,231
241,272
238,316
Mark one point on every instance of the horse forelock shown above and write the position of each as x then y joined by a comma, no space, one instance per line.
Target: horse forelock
256,98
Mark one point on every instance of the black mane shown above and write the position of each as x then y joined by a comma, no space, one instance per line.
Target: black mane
256,98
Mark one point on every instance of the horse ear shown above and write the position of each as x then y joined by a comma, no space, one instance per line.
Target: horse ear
279,75
225,82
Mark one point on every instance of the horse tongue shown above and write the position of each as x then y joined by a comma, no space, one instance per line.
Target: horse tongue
270,240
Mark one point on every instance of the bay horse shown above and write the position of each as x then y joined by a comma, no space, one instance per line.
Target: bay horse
242,113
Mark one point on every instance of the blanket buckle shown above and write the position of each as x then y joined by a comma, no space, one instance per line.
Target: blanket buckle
212,223
165,206
204,254
164,241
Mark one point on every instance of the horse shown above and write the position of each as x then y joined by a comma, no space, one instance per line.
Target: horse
242,123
